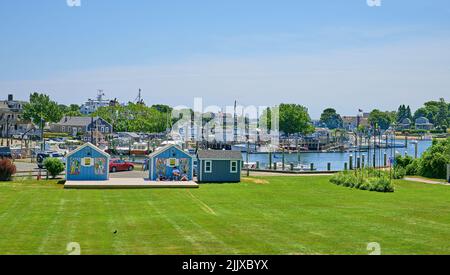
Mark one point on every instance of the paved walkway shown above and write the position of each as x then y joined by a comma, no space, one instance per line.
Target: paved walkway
132,183
269,174
427,181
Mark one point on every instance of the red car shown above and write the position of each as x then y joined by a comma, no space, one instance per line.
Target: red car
116,165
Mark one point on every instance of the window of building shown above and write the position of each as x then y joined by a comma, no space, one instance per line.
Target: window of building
208,166
233,166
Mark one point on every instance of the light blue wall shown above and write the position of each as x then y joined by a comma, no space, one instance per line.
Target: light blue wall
86,173
172,152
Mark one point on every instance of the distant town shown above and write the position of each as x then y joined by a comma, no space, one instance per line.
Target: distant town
133,129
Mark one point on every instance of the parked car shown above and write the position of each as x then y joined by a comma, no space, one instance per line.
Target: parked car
5,152
40,158
116,165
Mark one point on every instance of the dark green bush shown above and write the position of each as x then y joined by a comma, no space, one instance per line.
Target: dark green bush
54,166
403,161
399,173
433,163
412,169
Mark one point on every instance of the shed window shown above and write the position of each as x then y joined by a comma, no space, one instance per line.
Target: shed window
208,166
233,166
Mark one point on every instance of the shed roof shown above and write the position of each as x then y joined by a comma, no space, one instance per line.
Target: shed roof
88,144
219,154
165,148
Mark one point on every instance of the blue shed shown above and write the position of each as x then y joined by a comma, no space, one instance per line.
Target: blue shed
170,163
219,166
87,163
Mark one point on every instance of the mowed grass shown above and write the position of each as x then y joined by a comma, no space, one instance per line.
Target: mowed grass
273,215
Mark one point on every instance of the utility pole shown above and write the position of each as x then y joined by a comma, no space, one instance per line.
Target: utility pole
7,130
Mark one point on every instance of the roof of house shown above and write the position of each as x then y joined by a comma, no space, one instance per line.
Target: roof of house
88,144
423,120
76,121
219,155
406,121
165,148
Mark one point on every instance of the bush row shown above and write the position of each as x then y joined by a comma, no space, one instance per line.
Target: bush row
364,180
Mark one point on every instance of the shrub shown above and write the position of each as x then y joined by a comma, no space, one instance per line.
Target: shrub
7,169
54,166
368,179
413,168
433,163
403,161
399,173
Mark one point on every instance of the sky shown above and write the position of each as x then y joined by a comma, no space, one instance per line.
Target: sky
318,53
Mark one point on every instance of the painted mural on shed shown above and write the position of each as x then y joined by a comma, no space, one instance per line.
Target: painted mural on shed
170,163
87,163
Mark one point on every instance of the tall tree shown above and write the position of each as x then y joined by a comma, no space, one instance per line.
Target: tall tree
381,119
294,119
41,109
442,114
331,119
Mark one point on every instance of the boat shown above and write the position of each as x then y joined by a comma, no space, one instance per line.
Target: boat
139,149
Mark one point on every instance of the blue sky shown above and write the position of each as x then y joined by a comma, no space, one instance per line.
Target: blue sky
317,53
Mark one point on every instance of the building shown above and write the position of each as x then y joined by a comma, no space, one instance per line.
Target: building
351,123
219,166
93,104
87,163
170,163
82,126
405,124
11,120
422,123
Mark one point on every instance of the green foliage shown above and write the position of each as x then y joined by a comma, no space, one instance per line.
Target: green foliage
381,119
7,169
40,108
54,166
412,169
369,180
331,119
402,162
294,119
438,112
433,163
399,173
135,118
72,111
403,112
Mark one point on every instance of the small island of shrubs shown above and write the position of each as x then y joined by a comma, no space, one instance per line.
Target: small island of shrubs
365,179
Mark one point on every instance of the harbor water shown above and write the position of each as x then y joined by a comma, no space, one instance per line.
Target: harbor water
337,160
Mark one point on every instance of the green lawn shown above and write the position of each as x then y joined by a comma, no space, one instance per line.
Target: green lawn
275,215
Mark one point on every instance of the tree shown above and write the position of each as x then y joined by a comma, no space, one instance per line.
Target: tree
41,109
401,113
135,118
442,114
331,119
381,119
423,112
294,119
73,110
